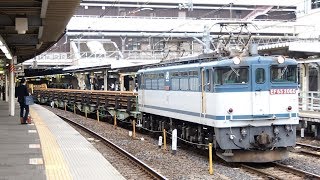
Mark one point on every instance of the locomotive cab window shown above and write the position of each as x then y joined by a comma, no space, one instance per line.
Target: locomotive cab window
230,75
260,76
286,74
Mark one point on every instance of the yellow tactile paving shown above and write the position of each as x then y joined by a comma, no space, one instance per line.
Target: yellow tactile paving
55,165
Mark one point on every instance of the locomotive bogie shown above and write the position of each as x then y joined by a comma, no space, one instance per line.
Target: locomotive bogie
194,133
261,138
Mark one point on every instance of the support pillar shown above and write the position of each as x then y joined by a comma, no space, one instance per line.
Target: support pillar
123,44
309,127
206,40
318,78
317,134
303,123
6,88
91,81
81,82
305,85
192,47
105,80
121,80
11,88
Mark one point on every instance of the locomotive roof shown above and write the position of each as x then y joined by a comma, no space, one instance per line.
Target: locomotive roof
271,60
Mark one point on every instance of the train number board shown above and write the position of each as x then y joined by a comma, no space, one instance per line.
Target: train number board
282,91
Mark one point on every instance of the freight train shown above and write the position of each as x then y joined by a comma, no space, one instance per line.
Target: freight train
246,106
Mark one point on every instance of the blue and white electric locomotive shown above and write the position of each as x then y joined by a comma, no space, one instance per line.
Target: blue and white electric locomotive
247,108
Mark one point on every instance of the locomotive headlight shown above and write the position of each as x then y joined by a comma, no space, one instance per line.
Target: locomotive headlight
289,108
243,132
230,110
280,59
236,60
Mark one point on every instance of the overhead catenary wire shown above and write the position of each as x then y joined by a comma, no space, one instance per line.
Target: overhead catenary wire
157,35
81,35
172,29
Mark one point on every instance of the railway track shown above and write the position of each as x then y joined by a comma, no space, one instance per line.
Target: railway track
278,171
134,168
308,150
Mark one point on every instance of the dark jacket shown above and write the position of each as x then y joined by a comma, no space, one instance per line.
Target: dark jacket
21,92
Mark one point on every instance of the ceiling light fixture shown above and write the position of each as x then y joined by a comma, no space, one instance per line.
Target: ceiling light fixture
4,48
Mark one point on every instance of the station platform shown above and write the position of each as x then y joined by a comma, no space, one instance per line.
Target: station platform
49,148
311,116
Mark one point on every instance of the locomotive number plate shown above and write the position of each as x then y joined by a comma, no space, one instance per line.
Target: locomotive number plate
282,91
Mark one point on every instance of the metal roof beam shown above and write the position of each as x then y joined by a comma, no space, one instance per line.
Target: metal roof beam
8,21
25,40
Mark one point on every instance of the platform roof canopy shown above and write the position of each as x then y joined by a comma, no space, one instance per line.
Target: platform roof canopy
30,27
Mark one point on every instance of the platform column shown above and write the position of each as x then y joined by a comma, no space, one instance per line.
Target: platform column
105,80
12,87
309,127
6,88
91,81
123,44
317,134
305,85
121,80
318,77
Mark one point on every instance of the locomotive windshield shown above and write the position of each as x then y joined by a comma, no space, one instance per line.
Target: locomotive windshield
230,75
284,74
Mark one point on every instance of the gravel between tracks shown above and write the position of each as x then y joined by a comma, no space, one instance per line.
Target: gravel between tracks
304,162
186,164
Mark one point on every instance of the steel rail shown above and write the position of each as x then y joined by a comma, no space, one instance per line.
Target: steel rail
308,146
296,171
147,169
308,152
287,169
259,172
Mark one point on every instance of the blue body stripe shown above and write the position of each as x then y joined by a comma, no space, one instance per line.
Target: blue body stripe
228,117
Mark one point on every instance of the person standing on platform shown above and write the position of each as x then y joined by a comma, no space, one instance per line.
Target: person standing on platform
21,92
3,90
0,92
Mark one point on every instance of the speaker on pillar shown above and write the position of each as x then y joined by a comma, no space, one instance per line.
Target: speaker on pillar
21,25
15,60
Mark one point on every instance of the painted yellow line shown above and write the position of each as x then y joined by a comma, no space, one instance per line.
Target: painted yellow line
55,164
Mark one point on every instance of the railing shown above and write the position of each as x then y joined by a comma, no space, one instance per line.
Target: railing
284,42
188,18
309,101
126,55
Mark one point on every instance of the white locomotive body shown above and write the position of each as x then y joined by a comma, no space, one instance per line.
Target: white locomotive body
247,109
